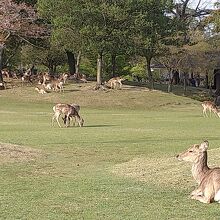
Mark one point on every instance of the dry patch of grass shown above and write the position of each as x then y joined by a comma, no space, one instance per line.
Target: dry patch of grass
10,153
162,171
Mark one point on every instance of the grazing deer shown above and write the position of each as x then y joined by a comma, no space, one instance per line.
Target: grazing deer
208,105
114,81
77,107
67,110
207,178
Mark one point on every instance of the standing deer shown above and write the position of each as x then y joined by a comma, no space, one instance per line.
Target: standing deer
67,110
208,105
207,178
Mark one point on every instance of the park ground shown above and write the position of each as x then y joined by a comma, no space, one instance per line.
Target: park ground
121,165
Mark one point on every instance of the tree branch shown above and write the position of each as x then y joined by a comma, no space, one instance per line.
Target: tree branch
27,41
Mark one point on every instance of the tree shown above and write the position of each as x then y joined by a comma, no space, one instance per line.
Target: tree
50,57
151,26
170,58
91,25
105,30
65,18
19,20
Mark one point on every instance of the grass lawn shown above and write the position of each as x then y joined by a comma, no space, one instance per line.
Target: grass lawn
121,165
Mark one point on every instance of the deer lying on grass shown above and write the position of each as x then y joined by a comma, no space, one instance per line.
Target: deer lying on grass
68,111
51,82
207,178
208,105
114,81
40,90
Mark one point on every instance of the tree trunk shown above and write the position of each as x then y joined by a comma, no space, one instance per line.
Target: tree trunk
2,86
217,82
113,65
99,69
170,82
184,83
71,62
176,77
206,80
50,67
78,59
149,72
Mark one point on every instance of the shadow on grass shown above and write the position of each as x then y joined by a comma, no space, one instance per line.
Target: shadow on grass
71,90
99,126
196,93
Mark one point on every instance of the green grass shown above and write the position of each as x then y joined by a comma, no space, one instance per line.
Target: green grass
121,165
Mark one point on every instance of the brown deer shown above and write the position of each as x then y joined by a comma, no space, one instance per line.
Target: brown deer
27,77
40,90
64,77
67,110
208,105
207,178
51,82
5,73
114,81
77,107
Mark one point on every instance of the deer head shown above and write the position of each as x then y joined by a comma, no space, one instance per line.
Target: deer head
194,153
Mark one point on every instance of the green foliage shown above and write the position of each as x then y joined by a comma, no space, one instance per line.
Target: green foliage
51,57
88,68
138,71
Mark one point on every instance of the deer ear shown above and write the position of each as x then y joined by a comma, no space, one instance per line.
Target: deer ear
204,146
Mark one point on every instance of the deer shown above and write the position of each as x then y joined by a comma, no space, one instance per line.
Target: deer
208,105
77,107
64,77
57,84
26,77
51,82
68,111
5,73
40,90
208,179
114,81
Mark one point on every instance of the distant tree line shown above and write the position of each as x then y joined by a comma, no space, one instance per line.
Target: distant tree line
111,37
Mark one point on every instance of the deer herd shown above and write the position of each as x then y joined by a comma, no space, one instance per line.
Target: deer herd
208,179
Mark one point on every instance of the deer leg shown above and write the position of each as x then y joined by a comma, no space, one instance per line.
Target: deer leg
68,120
120,85
111,85
202,199
56,116
205,113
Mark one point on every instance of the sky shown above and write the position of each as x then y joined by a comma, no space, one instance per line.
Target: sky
204,3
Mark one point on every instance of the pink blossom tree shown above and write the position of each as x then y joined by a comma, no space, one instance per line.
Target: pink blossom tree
20,20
